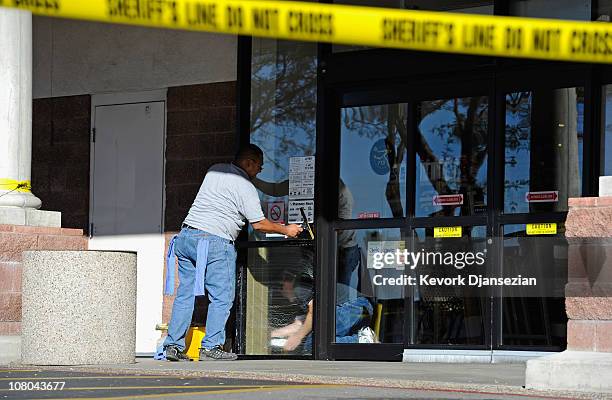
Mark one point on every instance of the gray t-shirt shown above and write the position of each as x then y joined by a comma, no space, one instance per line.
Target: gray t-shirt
226,198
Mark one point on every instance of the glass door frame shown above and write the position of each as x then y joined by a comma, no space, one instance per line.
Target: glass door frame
495,84
411,94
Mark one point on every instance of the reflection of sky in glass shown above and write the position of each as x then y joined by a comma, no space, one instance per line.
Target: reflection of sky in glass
366,186
283,79
517,162
280,141
437,129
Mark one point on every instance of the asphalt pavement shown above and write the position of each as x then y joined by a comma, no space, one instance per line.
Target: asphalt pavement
74,383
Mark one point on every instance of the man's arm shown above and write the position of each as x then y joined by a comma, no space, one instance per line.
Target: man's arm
294,340
287,330
250,208
267,226
274,189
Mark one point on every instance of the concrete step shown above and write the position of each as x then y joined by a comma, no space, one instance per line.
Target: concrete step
10,349
571,370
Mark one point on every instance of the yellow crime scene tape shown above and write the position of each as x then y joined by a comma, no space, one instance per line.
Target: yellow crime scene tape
353,25
15,185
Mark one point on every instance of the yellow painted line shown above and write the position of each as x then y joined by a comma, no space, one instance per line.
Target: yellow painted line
66,378
456,33
153,387
209,392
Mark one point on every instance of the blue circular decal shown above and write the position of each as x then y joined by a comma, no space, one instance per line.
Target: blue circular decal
378,158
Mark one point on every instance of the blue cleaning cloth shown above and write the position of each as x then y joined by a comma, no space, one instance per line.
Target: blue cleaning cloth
201,261
169,285
160,353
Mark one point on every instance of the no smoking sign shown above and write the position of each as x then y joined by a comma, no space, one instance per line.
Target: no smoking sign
276,212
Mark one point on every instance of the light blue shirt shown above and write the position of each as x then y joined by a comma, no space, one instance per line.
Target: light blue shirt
225,200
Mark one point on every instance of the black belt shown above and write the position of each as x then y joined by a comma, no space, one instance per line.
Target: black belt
184,225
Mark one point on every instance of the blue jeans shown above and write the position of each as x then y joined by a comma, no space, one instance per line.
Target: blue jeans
219,282
350,319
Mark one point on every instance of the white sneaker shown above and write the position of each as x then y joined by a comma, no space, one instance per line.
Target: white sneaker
367,335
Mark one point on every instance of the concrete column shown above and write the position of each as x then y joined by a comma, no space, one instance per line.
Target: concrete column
16,109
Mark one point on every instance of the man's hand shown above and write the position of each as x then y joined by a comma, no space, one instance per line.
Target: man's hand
267,226
292,342
293,230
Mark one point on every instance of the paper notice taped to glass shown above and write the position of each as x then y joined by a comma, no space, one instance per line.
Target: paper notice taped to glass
295,216
301,177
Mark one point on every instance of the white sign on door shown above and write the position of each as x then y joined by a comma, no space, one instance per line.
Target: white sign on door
295,215
301,177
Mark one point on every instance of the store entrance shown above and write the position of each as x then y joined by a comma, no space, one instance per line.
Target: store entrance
439,169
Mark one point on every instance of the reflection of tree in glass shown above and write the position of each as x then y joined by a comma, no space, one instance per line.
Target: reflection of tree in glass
518,139
465,133
468,128
390,120
283,100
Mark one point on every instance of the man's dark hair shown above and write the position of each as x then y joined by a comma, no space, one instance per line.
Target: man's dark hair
249,152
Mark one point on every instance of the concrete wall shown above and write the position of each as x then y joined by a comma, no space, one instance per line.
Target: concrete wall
79,57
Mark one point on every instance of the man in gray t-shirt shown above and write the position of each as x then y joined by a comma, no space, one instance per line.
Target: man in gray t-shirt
206,253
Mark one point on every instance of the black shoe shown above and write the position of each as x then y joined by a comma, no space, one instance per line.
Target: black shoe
173,353
216,353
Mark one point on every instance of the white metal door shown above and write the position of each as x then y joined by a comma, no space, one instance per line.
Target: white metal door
127,199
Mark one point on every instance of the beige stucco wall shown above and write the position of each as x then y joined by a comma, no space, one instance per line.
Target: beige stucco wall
79,57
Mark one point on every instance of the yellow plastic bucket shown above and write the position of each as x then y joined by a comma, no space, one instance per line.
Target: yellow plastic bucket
193,340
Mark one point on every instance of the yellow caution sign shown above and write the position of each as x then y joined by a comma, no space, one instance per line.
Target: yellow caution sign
549,228
447,232
354,25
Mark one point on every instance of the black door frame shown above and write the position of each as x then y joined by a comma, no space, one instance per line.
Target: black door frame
502,77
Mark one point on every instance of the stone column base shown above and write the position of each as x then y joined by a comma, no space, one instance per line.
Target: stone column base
30,217
584,371
79,307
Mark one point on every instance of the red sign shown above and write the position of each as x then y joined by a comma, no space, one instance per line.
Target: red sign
368,215
448,200
276,212
542,197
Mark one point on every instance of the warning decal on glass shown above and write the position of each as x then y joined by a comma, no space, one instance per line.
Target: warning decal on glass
448,200
276,212
551,196
447,232
549,228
